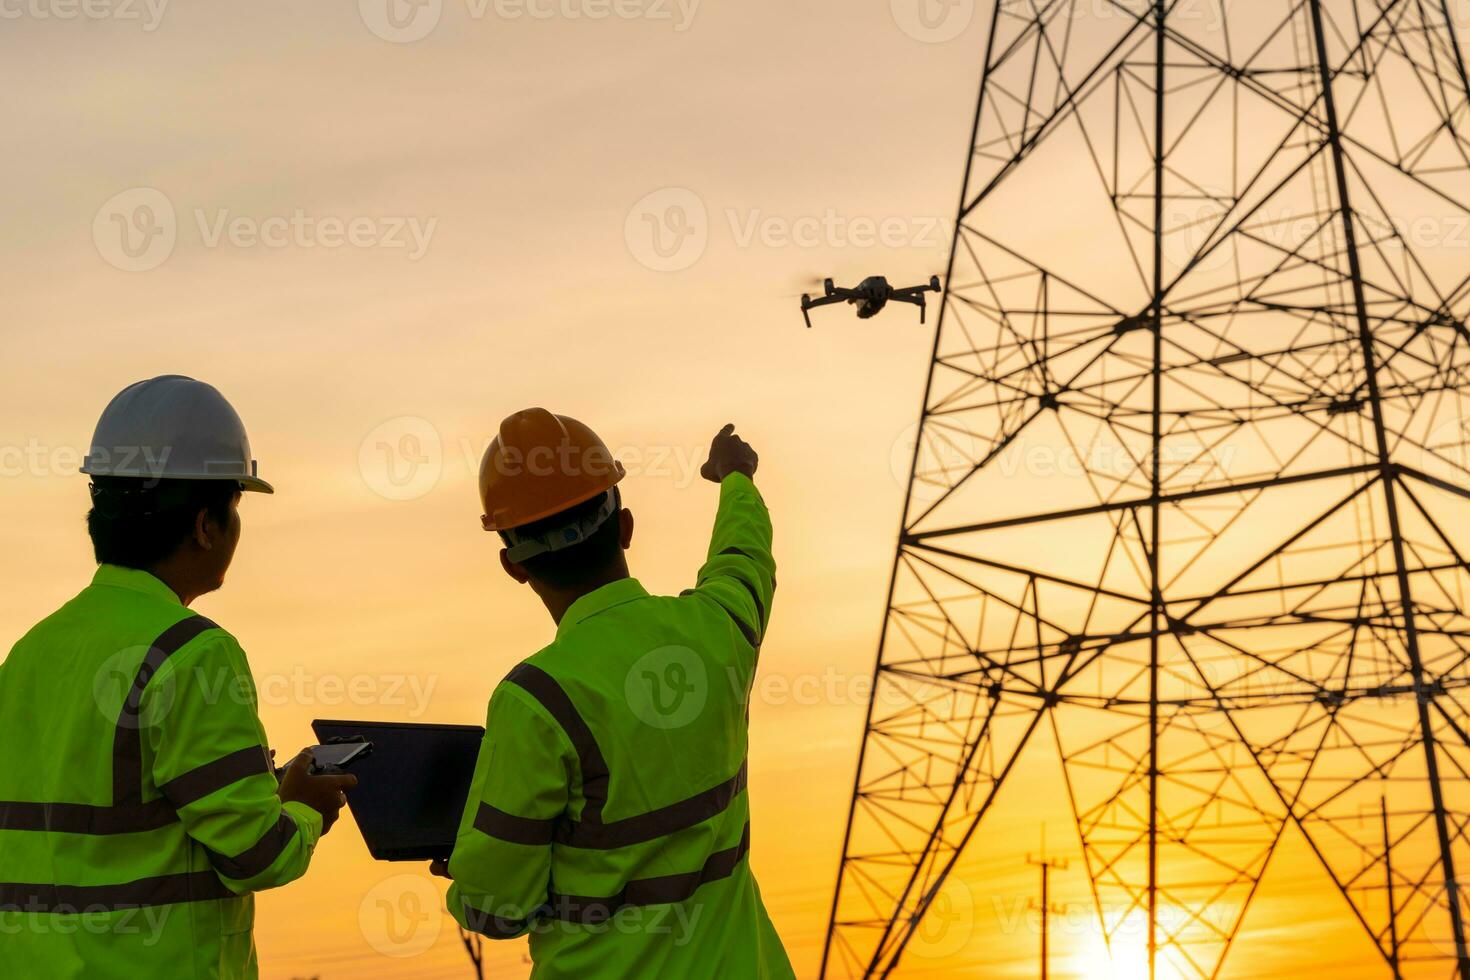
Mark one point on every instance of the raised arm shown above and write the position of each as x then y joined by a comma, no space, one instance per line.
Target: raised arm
739,572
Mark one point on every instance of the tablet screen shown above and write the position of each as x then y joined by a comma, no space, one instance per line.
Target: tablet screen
411,789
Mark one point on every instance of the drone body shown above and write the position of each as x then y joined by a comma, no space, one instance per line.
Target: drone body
869,296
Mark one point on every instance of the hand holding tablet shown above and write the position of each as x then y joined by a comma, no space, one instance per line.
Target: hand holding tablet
413,783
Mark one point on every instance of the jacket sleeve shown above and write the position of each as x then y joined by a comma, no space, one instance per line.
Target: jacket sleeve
211,763
740,571
501,863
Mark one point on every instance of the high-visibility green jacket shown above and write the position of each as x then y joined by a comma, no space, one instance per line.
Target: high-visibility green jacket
138,808
609,817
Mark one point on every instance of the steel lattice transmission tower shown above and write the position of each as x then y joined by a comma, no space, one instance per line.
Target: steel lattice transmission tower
1191,497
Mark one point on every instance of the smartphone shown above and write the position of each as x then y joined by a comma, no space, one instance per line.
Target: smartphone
332,757
337,755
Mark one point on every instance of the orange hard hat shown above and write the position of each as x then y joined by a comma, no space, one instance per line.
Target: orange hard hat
539,465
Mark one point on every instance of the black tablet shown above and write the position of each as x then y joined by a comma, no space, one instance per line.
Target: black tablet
411,789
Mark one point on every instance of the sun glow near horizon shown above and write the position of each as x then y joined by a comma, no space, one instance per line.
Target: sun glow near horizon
1123,956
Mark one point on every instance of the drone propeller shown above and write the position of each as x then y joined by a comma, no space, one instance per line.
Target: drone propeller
806,284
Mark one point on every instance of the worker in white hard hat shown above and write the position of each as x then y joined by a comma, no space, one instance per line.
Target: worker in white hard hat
139,808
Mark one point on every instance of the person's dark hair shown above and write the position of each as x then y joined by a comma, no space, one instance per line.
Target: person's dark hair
582,562
136,523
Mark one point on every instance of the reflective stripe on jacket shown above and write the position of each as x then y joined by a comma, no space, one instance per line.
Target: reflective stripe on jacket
609,816
138,809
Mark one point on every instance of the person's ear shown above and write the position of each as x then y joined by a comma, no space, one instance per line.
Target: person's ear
515,571
205,529
625,528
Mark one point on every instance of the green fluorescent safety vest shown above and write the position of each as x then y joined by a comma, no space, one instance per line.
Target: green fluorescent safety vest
138,809
609,817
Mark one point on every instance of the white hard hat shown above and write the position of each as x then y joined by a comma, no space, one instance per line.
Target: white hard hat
173,428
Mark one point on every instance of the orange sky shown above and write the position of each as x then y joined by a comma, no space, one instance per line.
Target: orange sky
816,138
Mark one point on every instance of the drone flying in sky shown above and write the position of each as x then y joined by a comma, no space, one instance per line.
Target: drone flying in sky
870,296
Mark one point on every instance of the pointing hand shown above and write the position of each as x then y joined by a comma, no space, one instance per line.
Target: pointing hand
729,453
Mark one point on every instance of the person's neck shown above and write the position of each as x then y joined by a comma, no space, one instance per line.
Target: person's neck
184,582
558,601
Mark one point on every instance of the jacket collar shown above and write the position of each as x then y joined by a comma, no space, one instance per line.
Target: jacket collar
135,579
599,600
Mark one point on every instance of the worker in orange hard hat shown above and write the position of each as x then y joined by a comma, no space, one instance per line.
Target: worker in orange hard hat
614,765
538,466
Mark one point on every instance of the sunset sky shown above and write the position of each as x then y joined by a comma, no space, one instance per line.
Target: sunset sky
377,247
